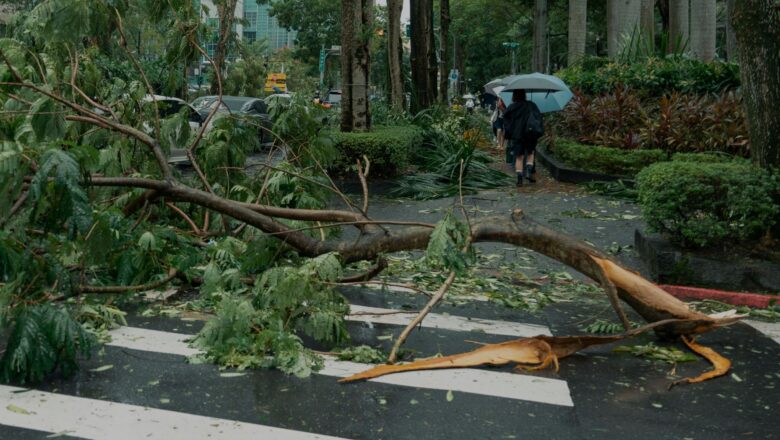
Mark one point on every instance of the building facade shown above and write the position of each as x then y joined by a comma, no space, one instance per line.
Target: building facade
253,23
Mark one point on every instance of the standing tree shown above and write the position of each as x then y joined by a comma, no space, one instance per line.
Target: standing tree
757,27
395,53
578,29
226,10
622,20
731,40
703,25
539,60
444,35
647,24
678,24
356,18
423,55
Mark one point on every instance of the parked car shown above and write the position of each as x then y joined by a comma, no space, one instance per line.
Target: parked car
168,106
254,110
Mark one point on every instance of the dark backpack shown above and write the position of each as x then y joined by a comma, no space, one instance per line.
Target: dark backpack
534,125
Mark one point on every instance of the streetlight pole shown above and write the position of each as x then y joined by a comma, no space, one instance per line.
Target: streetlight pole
513,47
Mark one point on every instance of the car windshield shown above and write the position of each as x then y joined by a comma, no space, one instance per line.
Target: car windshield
169,107
234,104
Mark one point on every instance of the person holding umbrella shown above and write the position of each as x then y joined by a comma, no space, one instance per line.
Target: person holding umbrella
523,126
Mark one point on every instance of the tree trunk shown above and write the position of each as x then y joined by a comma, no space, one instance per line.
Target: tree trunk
647,25
663,11
460,64
757,28
226,10
678,25
578,29
539,55
703,25
731,40
395,52
423,55
356,17
622,21
444,37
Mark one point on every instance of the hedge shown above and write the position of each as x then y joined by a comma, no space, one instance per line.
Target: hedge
605,160
388,148
701,204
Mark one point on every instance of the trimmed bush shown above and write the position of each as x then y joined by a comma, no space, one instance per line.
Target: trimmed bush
605,160
388,148
701,204
708,158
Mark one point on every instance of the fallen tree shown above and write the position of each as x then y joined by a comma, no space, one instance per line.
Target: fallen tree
74,242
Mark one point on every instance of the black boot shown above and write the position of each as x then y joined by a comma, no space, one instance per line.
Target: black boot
528,171
519,179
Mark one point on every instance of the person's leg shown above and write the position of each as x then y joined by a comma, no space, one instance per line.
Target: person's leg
500,138
519,160
528,165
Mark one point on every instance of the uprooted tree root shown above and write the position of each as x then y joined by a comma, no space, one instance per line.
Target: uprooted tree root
540,352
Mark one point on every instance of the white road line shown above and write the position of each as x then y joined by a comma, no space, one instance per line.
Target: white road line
467,380
99,419
447,322
771,329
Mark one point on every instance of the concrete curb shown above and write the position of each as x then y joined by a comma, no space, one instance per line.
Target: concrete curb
562,173
733,298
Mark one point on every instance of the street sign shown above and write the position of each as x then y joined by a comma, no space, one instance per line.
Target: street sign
322,59
454,75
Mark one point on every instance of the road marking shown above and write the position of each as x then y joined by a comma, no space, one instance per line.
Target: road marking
99,419
467,380
447,322
770,329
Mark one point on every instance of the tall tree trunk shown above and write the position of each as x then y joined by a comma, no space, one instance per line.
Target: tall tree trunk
444,36
663,11
757,27
703,25
539,60
622,21
226,11
356,17
460,64
578,29
678,25
423,55
395,53
647,25
731,40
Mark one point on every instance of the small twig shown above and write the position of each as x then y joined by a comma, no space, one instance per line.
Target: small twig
381,264
186,218
384,283
172,273
361,222
363,175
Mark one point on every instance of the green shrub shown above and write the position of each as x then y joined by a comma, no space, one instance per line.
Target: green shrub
713,157
388,148
700,204
605,160
652,76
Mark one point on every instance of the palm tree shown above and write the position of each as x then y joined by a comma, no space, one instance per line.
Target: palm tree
678,24
578,29
622,20
703,25
395,53
356,18
539,61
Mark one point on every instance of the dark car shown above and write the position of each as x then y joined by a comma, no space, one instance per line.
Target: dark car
254,109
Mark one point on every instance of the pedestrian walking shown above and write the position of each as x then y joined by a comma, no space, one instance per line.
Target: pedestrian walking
523,126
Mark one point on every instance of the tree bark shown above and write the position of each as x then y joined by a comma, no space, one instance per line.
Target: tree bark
395,53
647,24
356,18
226,10
539,55
757,28
578,29
663,11
444,38
679,27
731,40
622,21
703,26
423,55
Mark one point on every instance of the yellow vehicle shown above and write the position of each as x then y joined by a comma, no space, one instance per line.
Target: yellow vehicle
276,83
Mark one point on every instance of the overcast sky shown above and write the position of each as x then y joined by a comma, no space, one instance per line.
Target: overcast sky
404,14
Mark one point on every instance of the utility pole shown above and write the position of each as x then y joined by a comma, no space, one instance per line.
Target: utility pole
513,47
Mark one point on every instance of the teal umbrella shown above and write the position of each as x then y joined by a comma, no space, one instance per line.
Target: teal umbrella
548,92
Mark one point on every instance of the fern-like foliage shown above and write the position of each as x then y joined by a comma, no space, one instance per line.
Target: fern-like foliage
43,339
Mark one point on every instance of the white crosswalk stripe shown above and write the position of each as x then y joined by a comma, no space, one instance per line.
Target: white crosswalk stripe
100,420
468,380
377,315
770,329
